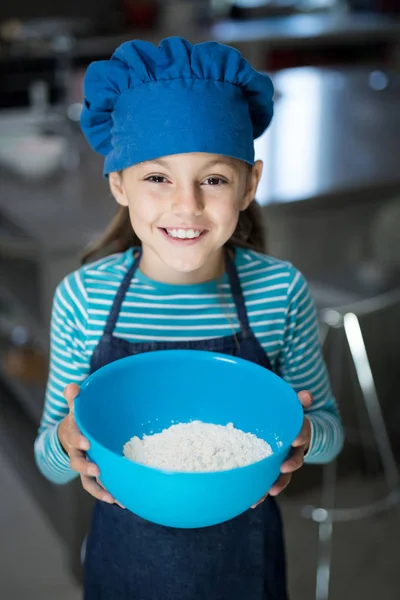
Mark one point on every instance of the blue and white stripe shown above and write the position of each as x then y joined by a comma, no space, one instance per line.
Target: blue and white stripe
281,314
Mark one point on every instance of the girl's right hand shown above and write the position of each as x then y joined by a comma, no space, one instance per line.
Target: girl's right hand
76,446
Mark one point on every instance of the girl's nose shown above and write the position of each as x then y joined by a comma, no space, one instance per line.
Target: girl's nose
188,202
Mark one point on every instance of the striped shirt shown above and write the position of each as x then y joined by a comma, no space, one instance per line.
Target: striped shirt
281,314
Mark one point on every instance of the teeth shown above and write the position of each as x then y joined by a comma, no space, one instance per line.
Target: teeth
184,233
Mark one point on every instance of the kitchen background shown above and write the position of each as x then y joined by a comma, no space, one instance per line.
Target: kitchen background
331,201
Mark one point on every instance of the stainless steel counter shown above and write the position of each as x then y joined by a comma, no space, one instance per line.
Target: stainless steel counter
333,132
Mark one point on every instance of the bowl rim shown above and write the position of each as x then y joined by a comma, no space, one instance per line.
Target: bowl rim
211,356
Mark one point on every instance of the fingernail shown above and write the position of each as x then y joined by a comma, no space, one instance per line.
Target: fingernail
93,471
84,445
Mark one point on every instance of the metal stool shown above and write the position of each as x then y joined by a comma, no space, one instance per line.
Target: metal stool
347,318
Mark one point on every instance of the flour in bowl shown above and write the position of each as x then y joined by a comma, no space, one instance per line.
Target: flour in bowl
197,446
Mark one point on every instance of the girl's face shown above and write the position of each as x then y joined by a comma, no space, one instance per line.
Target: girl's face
184,208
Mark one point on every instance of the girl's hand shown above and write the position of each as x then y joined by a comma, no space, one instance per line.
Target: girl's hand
296,457
76,445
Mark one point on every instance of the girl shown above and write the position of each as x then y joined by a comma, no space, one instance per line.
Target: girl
177,125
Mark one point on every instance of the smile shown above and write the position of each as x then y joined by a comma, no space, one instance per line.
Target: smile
184,233
181,233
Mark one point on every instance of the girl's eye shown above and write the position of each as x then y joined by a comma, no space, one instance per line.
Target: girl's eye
214,181
156,179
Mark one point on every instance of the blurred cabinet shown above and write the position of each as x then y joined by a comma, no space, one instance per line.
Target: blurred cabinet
23,374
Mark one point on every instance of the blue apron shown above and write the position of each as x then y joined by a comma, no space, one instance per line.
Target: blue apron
131,559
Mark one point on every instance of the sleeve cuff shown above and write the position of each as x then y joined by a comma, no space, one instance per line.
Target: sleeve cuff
60,456
309,452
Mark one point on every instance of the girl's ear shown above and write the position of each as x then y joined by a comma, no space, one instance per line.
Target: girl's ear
253,180
116,183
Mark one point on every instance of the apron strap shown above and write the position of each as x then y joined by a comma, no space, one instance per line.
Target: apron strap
234,283
237,294
120,295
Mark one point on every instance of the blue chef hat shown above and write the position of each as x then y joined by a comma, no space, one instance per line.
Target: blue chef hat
148,101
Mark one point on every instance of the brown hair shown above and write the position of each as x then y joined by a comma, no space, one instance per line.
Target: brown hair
119,235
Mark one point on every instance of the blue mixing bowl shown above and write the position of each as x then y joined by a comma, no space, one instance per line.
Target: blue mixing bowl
145,394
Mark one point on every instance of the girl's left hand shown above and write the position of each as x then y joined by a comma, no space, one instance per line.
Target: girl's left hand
296,458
